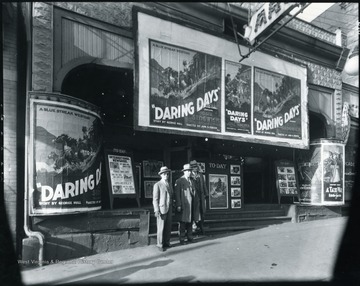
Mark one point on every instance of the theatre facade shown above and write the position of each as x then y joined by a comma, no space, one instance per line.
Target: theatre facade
113,91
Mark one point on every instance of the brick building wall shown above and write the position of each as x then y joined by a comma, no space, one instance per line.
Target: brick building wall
10,101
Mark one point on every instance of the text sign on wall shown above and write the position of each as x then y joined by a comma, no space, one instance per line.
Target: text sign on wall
269,14
65,159
194,85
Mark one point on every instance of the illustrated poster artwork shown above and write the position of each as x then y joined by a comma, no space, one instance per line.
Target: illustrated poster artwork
333,172
148,188
235,180
121,175
277,105
184,88
287,180
237,97
236,204
235,169
218,190
236,192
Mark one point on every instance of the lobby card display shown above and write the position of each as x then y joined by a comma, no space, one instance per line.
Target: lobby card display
218,191
286,179
148,189
121,174
235,185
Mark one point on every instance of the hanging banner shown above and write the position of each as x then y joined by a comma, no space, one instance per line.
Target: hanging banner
185,88
277,102
65,165
194,85
237,97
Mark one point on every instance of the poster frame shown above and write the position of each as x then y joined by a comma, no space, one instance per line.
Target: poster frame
146,23
119,151
286,164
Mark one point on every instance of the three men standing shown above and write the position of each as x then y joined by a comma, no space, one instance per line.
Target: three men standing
162,202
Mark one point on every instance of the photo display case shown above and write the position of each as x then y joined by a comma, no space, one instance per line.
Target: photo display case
224,180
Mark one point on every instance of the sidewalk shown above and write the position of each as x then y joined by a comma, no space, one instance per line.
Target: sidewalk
287,252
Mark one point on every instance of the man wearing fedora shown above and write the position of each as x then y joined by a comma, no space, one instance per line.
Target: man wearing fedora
202,193
187,204
162,202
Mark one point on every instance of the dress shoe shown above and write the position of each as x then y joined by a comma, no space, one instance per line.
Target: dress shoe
182,242
161,249
190,240
167,245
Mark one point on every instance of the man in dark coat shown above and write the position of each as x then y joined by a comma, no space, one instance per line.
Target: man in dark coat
162,202
187,204
202,193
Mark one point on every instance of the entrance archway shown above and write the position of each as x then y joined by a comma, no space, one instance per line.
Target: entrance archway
109,88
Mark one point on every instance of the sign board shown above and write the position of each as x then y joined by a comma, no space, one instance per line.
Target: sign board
195,86
286,179
266,17
322,173
121,174
225,185
65,155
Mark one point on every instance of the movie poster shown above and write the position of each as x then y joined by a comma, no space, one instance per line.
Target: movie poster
310,175
333,158
121,175
218,191
277,105
65,164
237,97
184,88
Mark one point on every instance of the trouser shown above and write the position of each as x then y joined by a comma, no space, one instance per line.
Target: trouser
185,226
163,224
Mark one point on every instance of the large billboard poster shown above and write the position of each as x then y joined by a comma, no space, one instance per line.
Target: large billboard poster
237,97
277,102
184,88
196,84
65,161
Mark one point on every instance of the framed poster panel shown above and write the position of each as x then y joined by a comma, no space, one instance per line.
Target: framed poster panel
65,158
218,191
121,174
148,189
235,203
286,179
235,192
151,168
190,86
138,178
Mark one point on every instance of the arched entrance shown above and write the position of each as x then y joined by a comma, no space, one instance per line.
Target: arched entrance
109,88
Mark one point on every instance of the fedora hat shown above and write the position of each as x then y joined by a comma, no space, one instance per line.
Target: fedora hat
164,169
194,164
187,167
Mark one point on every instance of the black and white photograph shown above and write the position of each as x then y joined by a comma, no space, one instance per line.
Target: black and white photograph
180,142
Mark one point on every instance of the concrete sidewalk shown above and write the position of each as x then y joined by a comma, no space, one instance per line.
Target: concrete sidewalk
286,252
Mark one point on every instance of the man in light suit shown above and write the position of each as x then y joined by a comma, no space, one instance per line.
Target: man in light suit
162,202
187,204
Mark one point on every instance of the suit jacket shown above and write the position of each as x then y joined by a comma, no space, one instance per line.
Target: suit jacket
187,198
162,197
201,187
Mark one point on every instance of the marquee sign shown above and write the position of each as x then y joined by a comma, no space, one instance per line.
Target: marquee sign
267,16
195,85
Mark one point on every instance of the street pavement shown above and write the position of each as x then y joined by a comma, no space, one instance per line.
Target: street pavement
303,252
